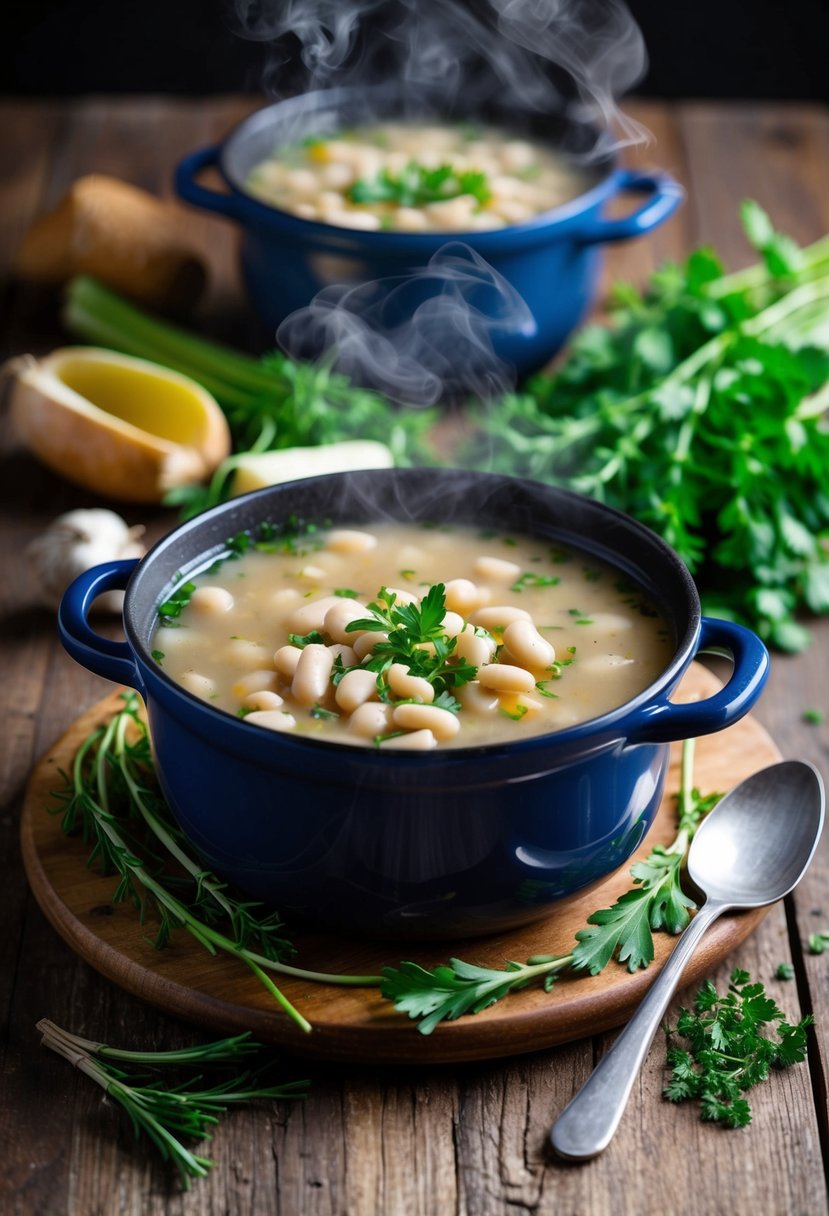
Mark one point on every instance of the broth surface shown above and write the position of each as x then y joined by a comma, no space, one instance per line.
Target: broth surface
529,637
417,178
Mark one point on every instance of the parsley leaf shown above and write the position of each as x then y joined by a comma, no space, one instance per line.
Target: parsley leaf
727,1051
415,638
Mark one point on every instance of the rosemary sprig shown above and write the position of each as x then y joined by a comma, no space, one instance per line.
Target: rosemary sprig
624,931
106,796
165,1112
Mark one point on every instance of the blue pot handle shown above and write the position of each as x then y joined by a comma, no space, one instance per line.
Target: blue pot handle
665,195
662,722
112,660
188,188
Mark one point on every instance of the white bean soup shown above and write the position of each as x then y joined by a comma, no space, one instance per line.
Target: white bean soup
410,636
409,177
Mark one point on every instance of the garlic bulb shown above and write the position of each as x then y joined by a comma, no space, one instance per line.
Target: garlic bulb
75,542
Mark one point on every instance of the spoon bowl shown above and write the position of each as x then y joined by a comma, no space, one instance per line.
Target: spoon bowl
751,850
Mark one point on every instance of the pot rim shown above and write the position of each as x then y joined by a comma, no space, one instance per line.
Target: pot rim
600,731
539,224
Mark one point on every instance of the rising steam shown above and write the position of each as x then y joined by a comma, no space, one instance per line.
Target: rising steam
527,58
415,349
546,56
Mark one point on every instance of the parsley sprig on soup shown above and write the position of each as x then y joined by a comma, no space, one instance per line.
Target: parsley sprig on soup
410,177
410,637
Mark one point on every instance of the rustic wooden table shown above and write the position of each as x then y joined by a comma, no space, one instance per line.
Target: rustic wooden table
469,1139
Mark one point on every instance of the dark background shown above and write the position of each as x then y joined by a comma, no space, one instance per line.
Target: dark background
698,48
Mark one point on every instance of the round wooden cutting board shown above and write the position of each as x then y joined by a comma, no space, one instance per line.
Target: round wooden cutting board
356,1024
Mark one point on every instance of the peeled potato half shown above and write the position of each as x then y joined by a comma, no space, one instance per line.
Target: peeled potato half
124,427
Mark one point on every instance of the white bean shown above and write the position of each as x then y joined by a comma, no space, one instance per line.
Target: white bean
263,700
247,654
346,653
350,540
287,598
302,182
355,688
404,684
503,677
409,219
211,601
199,685
256,681
370,719
341,615
527,646
477,699
441,722
312,677
285,660
311,615
272,719
417,741
498,616
463,596
365,642
497,569
313,574
474,648
452,624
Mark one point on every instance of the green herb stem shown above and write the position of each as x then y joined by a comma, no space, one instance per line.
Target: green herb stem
165,1112
108,751
101,313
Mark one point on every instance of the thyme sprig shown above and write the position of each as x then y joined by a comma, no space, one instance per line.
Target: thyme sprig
624,931
110,797
163,1112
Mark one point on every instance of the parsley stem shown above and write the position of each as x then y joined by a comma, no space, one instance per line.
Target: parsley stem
758,275
791,303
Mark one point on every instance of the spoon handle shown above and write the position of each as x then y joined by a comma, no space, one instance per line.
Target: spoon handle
587,1124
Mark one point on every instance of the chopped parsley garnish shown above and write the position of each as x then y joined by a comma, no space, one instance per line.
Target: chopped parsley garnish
416,185
314,638
323,714
529,579
726,1051
416,638
171,609
347,593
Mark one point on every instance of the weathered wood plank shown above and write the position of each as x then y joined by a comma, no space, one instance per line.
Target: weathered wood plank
780,156
469,1140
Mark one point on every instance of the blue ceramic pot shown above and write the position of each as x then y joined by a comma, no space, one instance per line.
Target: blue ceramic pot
431,844
552,262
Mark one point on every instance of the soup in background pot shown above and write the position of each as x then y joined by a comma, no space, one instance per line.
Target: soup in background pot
411,636
409,177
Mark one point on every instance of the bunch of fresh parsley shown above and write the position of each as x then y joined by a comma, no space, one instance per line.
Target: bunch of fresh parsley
699,411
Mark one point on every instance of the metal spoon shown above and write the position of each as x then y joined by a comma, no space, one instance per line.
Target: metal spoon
751,850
